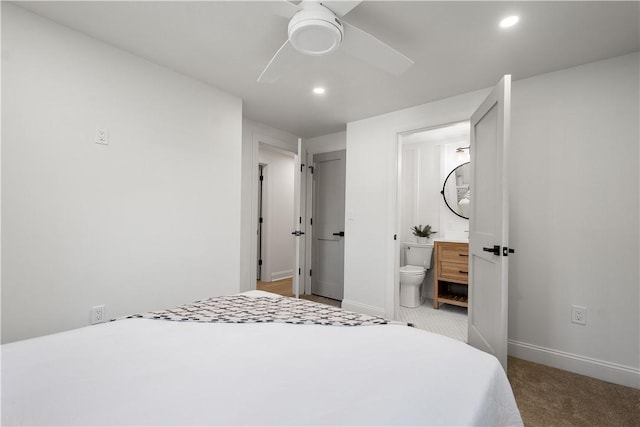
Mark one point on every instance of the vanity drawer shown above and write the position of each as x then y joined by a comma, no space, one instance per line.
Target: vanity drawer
454,252
454,271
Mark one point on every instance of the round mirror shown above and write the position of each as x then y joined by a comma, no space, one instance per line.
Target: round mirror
456,192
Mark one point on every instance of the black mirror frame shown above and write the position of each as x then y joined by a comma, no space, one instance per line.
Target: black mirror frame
445,184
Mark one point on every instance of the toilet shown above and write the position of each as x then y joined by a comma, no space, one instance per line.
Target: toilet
418,261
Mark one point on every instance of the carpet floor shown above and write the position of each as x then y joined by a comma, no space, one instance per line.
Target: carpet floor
551,397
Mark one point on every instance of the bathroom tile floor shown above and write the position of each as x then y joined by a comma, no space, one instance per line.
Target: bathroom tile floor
449,320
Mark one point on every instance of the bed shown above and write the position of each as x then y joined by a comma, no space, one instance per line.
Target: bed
153,370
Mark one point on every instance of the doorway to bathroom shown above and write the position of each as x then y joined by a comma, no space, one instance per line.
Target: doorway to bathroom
426,158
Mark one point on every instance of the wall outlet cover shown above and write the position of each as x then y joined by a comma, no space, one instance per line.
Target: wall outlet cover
97,314
579,315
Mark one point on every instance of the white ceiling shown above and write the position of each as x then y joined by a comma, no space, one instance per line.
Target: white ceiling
457,47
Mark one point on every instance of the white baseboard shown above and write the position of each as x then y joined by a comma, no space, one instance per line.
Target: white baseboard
279,275
362,308
606,371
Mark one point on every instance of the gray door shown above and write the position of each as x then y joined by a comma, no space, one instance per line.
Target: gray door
327,278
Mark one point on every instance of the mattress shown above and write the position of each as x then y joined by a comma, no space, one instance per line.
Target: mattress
142,371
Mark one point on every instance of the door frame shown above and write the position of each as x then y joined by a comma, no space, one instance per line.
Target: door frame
275,144
392,299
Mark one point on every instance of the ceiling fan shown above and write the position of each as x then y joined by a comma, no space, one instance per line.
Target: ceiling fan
315,28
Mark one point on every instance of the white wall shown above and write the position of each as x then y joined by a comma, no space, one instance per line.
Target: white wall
420,192
254,134
325,143
574,219
149,221
372,147
574,214
426,162
277,213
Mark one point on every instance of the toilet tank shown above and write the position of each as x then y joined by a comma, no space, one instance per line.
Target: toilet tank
418,254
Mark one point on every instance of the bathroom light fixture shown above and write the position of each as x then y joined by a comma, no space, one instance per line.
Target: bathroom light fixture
319,90
509,21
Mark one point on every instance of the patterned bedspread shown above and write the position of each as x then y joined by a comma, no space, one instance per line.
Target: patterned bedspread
246,309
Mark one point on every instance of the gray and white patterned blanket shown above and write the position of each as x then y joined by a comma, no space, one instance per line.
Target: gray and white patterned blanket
246,309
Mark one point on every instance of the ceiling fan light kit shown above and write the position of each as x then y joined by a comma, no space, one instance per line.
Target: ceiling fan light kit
315,31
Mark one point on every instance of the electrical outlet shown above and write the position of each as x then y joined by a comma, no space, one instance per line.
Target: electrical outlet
97,314
579,315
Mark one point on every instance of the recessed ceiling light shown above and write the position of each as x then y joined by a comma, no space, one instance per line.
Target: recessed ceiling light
319,90
509,21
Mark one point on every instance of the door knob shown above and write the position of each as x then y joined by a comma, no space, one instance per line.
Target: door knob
495,250
339,233
506,251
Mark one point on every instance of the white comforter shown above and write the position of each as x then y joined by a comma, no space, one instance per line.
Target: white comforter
154,372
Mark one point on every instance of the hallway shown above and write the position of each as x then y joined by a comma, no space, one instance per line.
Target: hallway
284,287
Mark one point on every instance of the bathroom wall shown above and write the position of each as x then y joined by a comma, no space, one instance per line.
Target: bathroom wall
427,158
451,225
420,189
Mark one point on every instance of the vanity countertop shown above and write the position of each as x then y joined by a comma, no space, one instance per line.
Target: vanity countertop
458,240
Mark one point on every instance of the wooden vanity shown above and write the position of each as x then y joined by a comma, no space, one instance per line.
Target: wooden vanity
451,273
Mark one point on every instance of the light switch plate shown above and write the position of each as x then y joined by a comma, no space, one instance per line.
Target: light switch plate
102,136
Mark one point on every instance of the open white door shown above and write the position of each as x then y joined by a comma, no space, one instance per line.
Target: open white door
297,221
489,224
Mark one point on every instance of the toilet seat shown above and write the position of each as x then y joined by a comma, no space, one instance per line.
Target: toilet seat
412,270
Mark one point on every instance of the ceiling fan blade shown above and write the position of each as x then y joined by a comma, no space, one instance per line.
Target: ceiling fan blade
285,9
340,8
284,56
364,46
